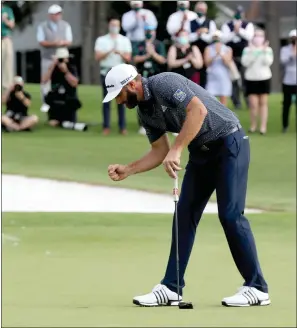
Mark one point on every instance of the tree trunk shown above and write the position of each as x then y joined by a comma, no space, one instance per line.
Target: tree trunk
273,35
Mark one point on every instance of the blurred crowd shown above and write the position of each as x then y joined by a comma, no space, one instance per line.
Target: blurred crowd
233,62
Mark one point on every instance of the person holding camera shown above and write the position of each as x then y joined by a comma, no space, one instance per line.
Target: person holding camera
17,102
62,99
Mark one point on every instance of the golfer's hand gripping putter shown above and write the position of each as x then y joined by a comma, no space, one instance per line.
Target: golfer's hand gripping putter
181,305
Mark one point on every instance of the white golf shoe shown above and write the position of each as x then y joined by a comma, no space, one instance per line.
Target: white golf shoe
247,296
160,296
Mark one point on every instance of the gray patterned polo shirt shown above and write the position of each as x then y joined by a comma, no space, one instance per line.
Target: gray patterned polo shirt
164,109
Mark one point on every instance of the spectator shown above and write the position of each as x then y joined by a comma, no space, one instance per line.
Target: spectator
237,34
257,59
110,50
62,99
184,58
7,25
288,60
133,21
217,58
52,34
18,102
202,29
149,57
180,19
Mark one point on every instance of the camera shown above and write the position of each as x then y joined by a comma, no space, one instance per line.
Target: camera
18,87
61,60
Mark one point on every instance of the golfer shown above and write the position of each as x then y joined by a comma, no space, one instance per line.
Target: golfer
219,155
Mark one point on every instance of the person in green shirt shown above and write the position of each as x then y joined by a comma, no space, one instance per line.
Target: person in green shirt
149,57
7,25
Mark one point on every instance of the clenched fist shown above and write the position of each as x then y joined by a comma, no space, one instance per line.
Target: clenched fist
118,172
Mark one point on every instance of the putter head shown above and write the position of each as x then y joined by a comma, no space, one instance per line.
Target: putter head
185,306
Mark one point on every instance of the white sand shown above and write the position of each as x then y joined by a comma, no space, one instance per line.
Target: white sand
23,194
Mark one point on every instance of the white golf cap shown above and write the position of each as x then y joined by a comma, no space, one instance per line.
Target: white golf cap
117,78
62,53
54,9
136,4
293,33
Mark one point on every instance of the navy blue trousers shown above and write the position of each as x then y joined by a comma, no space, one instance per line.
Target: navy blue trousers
106,111
224,168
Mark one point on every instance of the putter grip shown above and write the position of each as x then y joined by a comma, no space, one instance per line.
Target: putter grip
175,190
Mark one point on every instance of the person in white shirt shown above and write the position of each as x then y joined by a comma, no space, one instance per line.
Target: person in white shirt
179,20
237,34
133,21
257,59
201,31
51,35
288,61
110,50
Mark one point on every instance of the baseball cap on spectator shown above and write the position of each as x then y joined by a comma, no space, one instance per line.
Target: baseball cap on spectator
18,80
184,4
54,9
62,53
149,27
117,78
136,4
293,34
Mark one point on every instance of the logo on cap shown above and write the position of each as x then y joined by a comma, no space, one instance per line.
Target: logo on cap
110,86
126,80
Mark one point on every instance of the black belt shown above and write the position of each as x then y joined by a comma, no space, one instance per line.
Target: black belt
219,141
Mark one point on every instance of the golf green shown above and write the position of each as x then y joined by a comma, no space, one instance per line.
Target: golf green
70,270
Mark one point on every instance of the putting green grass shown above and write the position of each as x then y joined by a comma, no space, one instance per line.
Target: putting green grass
71,155
82,270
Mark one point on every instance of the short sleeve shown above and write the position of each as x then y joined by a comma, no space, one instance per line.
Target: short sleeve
174,91
100,45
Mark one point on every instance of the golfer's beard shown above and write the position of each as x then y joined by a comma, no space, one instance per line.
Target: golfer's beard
131,100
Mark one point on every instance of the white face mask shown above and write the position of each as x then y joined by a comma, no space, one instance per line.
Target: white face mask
114,29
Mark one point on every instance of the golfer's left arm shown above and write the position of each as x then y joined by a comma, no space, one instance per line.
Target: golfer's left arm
195,115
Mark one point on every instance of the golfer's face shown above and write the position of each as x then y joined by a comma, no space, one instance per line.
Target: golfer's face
127,98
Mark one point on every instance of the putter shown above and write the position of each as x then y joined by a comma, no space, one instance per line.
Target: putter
181,305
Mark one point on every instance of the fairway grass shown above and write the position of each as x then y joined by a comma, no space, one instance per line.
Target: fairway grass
82,270
84,157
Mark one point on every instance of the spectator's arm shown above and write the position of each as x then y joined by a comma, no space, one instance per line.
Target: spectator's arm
227,57
5,96
268,56
71,79
208,59
41,39
207,37
159,55
247,57
248,32
127,53
151,19
196,59
100,50
9,19
129,22
227,35
69,37
171,58
285,56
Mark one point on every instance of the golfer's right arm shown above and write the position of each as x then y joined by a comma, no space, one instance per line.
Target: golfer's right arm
153,159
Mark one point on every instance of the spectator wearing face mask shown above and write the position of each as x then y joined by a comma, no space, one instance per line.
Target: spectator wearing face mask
217,58
288,61
133,21
180,19
184,58
110,50
237,34
149,57
201,29
257,59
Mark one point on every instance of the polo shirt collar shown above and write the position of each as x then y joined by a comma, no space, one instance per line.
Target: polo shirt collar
146,90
